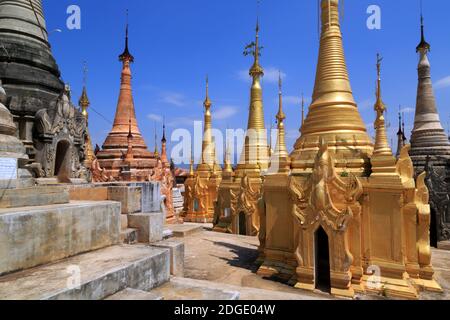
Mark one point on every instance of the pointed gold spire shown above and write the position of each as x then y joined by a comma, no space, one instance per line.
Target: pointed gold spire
333,114
84,102
270,140
255,156
382,147
191,166
207,103
280,149
227,165
256,70
208,148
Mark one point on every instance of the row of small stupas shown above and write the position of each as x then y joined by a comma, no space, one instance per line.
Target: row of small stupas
52,129
339,207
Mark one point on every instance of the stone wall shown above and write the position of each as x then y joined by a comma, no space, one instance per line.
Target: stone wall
35,236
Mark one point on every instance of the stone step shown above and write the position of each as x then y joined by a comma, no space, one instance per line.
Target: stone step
177,254
185,289
134,295
150,226
34,236
184,230
255,293
101,273
36,196
444,245
47,181
129,236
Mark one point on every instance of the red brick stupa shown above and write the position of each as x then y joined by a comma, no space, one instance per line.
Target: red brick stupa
124,155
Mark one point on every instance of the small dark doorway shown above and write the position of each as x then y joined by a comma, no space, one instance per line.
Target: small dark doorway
322,250
433,229
242,224
62,162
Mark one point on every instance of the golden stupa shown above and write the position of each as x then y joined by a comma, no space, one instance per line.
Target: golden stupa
202,185
89,155
345,215
237,208
333,115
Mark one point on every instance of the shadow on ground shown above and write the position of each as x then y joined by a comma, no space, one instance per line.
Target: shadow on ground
244,258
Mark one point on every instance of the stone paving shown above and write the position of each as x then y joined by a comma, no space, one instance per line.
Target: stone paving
229,260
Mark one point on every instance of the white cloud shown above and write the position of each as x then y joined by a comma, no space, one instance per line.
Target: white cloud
287,100
294,100
366,104
155,117
292,134
182,122
173,98
408,110
225,112
243,75
271,75
443,83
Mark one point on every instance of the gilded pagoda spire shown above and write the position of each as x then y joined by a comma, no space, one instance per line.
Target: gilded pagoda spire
84,103
280,158
280,148
228,167
270,140
382,147
208,147
333,115
255,152
191,165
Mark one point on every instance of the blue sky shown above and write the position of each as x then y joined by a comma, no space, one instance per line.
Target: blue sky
177,42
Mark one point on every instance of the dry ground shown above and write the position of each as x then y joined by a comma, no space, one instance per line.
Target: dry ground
229,259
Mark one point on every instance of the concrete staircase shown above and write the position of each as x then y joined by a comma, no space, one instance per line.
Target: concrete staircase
56,249
33,236
129,236
72,250
91,276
